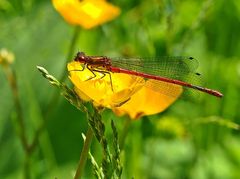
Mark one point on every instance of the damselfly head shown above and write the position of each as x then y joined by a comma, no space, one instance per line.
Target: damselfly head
80,57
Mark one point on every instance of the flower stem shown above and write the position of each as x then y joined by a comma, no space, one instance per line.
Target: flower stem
84,153
124,133
70,52
27,168
11,77
55,96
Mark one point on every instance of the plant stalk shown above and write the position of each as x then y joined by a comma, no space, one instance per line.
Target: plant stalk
84,154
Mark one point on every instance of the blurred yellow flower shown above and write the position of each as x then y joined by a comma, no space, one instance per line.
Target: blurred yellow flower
86,13
129,95
6,57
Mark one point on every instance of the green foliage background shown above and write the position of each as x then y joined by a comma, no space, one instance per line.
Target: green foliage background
188,140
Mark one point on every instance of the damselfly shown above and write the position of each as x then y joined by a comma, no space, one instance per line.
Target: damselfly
159,71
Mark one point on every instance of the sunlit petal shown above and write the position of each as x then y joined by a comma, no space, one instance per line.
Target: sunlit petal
86,13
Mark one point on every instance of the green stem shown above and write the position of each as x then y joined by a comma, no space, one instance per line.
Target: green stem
169,32
84,153
13,84
11,77
27,174
124,133
70,52
55,96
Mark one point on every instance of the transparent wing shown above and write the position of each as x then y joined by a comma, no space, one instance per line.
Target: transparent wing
173,90
179,68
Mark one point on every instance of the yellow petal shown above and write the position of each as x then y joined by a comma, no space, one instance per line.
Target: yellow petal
86,13
147,102
100,90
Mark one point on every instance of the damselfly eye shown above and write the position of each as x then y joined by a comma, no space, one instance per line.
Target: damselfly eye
80,56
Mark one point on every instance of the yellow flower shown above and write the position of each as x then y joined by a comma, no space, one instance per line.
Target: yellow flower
128,96
86,13
6,57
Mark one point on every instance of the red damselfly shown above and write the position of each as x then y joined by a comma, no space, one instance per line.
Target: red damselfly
159,71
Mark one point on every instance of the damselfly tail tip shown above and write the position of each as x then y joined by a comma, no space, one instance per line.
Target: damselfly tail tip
207,90
217,93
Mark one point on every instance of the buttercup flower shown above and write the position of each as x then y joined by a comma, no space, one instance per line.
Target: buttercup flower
6,57
86,13
127,95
